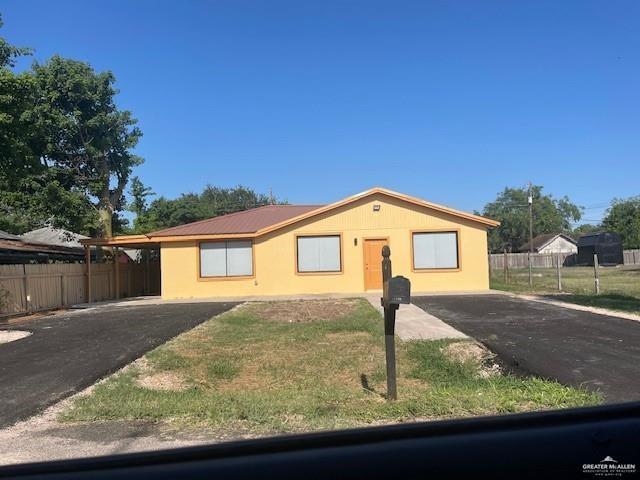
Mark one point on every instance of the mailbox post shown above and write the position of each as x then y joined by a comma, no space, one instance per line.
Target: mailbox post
395,290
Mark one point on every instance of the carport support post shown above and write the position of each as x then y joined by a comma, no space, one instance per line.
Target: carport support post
596,274
559,272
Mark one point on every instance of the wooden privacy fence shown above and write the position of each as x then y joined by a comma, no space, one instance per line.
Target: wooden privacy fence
538,260
548,260
632,257
31,288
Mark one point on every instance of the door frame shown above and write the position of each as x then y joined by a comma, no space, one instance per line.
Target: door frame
364,259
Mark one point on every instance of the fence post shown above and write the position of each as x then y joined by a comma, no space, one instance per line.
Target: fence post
506,267
63,289
596,273
129,288
87,251
27,288
116,266
559,273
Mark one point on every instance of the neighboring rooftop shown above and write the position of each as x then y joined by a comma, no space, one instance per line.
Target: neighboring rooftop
54,236
247,221
543,240
8,236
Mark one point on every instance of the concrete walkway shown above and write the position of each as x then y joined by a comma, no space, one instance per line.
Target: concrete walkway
413,323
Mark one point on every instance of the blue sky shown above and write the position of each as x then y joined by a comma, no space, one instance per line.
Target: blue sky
449,101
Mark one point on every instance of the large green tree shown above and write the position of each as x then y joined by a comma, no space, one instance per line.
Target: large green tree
65,148
585,228
85,133
139,205
623,217
550,215
139,193
32,192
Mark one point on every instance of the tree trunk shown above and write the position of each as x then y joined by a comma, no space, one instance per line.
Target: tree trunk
105,214
105,205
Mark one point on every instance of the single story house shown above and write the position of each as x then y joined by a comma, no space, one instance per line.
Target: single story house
314,249
552,243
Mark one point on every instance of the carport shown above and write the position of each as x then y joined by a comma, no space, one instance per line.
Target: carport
118,277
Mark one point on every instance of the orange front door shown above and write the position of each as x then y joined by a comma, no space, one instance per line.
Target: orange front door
373,263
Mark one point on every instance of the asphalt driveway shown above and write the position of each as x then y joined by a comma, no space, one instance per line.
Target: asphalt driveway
69,352
598,352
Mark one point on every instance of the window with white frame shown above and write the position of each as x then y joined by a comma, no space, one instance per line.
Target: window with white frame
432,250
231,258
319,254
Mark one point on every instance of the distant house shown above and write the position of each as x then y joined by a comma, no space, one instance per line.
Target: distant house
54,236
552,243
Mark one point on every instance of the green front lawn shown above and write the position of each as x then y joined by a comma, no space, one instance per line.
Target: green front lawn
298,366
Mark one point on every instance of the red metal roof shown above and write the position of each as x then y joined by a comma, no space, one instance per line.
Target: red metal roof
247,221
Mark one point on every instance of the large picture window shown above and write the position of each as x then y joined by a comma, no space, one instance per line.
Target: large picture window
434,250
319,254
232,258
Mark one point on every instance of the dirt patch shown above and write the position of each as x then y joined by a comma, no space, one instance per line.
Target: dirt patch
465,352
471,352
169,381
148,378
18,318
302,311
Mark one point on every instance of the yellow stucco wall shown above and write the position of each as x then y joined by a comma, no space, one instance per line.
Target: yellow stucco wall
274,254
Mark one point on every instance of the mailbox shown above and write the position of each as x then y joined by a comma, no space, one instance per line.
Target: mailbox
399,290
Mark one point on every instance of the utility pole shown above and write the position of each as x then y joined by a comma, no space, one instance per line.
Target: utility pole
530,202
271,202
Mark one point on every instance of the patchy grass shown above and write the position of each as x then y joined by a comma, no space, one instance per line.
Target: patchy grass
619,286
250,371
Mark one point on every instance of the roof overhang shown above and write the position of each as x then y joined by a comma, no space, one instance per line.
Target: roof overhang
129,241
